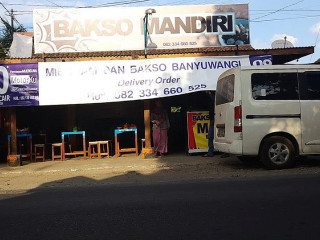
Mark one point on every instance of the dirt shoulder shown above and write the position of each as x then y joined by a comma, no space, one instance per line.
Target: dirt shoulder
134,170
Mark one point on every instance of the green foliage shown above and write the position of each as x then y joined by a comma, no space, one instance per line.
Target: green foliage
6,36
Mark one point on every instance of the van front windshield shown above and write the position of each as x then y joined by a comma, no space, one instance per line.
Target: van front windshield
225,90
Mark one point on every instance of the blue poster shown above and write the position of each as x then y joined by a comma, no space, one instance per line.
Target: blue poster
19,84
259,60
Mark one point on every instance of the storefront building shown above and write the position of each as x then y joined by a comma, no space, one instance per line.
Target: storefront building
81,86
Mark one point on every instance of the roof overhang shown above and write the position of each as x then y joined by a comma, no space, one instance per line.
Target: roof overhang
280,55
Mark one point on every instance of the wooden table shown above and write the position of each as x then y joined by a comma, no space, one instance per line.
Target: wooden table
29,142
83,152
119,150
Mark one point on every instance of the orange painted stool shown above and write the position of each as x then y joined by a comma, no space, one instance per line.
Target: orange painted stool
59,146
39,152
103,149
91,152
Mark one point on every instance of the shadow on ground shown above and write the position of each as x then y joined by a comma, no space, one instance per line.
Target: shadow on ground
171,168
136,205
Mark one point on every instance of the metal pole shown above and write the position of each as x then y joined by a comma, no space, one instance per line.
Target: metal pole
145,25
12,18
285,41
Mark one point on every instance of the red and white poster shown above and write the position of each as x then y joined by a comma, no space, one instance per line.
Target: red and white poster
198,127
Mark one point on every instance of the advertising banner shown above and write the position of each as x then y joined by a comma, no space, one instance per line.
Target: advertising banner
127,80
198,127
19,84
120,29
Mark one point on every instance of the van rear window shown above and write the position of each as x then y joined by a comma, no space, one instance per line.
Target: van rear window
274,86
225,90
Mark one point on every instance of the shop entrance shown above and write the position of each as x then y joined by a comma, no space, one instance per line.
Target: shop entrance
177,108
100,120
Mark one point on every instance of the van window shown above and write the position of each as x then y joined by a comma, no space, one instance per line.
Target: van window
310,86
274,86
225,90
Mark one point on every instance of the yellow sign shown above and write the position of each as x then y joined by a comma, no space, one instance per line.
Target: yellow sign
198,128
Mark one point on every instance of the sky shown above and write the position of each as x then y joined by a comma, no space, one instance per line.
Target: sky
270,20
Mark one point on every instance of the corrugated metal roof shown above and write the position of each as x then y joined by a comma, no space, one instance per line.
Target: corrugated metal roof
295,52
141,52
281,55
205,51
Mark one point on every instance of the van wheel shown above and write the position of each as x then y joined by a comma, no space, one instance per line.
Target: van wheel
277,153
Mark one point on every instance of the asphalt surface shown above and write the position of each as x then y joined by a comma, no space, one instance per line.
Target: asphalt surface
271,207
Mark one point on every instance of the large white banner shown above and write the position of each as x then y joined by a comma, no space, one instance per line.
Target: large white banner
119,29
126,80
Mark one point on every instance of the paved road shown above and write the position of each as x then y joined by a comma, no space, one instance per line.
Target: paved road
231,208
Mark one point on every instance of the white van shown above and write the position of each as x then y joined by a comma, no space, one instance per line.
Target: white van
272,112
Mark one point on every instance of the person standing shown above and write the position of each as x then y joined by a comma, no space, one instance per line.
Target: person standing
210,152
161,124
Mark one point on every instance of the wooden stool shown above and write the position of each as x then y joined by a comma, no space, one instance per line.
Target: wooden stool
91,147
56,145
39,152
104,152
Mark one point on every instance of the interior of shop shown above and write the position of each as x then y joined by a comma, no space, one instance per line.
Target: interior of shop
99,121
